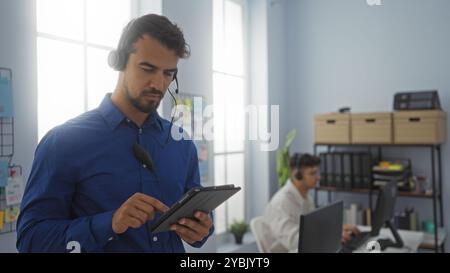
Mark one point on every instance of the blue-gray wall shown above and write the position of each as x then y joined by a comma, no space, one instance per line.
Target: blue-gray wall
347,53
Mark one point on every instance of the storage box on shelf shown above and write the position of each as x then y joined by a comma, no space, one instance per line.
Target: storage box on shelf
374,128
420,127
332,128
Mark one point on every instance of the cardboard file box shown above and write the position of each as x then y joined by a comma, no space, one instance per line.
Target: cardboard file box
372,128
332,129
420,127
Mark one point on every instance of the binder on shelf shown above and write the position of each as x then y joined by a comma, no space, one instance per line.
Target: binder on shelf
339,170
331,182
366,171
348,170
356,169
361,169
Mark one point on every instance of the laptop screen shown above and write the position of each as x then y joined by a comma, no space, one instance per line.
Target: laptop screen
321,230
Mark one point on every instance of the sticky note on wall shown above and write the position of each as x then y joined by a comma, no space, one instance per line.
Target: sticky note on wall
11,214
14,190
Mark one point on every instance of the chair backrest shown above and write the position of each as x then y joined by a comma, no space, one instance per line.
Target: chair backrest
262,234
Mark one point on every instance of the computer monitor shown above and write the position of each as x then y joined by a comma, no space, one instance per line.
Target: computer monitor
384,213
321,230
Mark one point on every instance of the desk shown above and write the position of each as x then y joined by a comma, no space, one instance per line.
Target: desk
411,240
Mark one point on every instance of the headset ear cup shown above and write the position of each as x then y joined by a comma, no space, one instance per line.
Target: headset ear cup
116,60
299,175
112,59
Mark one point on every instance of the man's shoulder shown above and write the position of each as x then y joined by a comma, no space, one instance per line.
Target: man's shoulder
87,120
284,198
76,129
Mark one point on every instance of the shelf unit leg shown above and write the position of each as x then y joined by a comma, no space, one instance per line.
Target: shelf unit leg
440,195
433,179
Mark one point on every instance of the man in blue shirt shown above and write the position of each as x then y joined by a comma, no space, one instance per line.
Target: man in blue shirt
87,191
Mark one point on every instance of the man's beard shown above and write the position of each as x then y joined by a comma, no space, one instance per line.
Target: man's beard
141,103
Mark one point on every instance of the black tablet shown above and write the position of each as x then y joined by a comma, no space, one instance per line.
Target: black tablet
196,199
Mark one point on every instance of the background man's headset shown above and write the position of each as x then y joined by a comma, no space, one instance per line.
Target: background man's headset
299,173
117,59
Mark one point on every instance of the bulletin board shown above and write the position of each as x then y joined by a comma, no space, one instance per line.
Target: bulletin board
11,179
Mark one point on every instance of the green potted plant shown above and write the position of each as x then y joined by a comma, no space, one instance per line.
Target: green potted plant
283,159
238,229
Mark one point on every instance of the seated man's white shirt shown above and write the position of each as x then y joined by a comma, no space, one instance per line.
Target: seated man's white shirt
282,216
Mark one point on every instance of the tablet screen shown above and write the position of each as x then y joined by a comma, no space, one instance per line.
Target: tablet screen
197,199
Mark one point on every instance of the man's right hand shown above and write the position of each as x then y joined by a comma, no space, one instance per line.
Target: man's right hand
135,212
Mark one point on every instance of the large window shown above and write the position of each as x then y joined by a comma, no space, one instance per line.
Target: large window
74,38
229,95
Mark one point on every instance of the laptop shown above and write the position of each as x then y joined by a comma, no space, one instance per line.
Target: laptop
321,230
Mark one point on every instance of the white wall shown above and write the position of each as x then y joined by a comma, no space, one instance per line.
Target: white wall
346,53
18,52
258,190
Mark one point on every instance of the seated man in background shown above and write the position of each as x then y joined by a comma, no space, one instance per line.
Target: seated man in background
282,214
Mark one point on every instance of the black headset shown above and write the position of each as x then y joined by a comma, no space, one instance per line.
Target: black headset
298,174
117,59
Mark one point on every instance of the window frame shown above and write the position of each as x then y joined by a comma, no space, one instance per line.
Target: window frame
245,152
135,6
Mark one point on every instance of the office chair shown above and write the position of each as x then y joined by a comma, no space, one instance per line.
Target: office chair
261,231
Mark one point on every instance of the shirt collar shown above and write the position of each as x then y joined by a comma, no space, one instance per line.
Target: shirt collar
291,188
114,116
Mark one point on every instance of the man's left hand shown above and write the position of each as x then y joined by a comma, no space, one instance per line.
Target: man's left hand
348,231
192,231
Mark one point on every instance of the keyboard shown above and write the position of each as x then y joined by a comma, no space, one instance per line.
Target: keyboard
357,241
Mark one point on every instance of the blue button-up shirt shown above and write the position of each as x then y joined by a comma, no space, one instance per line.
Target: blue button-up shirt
85,169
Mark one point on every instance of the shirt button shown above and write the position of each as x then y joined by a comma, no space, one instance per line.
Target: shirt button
128,120
111,238
155,238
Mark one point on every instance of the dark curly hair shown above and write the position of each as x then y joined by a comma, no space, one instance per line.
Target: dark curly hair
298,161
158,27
